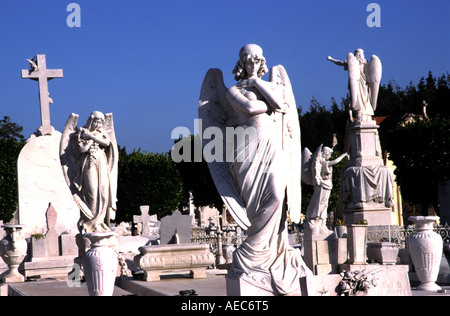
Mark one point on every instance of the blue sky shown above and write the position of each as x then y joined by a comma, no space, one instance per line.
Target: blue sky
145,60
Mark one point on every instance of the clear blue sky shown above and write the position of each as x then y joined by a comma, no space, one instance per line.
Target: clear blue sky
145,60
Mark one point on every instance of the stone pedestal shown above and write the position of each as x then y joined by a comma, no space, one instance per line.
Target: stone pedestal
366,184
375,215
356,244
323,256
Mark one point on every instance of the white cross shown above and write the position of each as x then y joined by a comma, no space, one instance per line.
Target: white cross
40,73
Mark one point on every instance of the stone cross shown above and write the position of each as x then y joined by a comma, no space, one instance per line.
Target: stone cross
145,219
38,71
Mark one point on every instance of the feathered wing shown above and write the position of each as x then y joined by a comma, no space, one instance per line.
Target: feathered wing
215,112
307,167
69,151
373,72
291,143
354,77
113,161
70,154
317,166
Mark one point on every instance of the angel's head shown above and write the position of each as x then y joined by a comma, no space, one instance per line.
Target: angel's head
95,121
251,63
326,152
359,54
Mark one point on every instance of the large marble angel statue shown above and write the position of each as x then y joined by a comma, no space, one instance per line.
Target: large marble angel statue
363,83
317,170
260,183
89,157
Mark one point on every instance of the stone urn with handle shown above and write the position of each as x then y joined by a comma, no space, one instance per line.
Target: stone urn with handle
13,249
425,248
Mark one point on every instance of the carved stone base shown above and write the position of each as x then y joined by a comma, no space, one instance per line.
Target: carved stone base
156,260
238,286
323,256
373,215
391,280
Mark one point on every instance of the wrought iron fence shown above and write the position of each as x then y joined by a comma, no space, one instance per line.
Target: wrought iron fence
399,235
211,236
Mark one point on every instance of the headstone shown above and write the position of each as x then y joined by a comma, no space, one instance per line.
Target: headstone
48,245
52,254
147,221
40,182
176,225
40,177
209,216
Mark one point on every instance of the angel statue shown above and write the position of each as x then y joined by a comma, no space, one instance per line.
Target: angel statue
364,83
317,171
258,176
89,157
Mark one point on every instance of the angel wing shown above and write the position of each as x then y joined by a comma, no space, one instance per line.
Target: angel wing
291,142
69,152
354,77
307,173
373,71
112,153
317,166
215,111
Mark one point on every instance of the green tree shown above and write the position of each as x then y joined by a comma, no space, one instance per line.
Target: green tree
11,143
147,179
196,176
421,154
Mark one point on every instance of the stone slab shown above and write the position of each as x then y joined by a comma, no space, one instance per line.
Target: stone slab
40,182
57,267
54,288
213,285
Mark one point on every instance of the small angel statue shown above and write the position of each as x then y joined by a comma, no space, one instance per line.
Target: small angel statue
317,171
364,84
260,184
89,157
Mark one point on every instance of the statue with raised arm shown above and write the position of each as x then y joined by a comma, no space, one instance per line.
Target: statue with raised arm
89,157
258,176
317,170
364,83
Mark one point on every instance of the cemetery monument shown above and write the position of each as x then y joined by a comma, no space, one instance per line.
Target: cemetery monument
89,157
175,253
317,171
366,183
40,180
258,178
